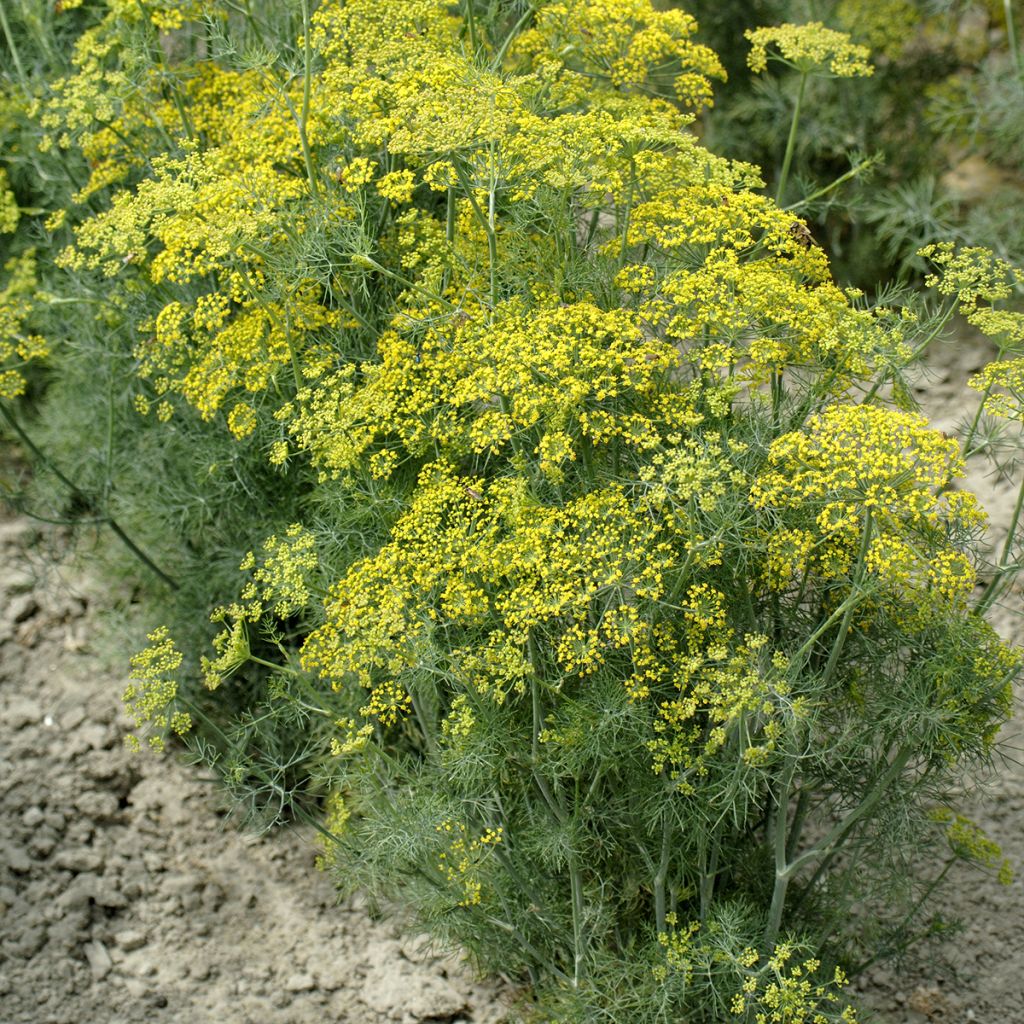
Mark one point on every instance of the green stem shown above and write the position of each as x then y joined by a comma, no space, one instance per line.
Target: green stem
787,160
841,180
782,872
973,429
576,882
370,263
449,235
1011,38
471,23
486,222
513,32
492,238
842,828
307,78
916,354
660,877
996,586
9,37
629,211
77,492
709,872
844,627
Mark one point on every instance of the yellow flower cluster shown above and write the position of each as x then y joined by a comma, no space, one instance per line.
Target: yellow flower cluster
280,585
555,379
9,212
975,276
774,988
1002,386
625,42
18,347
501,567
460,863
970,273
207,224
858,467
808,47
152,690
335,822
786,992
968,840
883,26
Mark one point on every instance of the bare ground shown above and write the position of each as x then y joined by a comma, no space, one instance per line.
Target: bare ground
126,896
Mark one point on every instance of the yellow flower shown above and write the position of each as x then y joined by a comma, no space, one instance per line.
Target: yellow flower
807,47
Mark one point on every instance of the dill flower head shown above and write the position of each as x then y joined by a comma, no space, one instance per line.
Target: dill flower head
9,213
19,297
808,47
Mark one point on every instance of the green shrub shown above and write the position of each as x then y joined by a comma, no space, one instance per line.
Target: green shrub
623,625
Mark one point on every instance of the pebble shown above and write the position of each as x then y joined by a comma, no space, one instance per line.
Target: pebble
32,817
16,859
130,939
300,983
100,963
22,711
78,860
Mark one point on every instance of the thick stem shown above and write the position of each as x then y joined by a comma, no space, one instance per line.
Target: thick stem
782,872
787,160
307,78
842,829
660,877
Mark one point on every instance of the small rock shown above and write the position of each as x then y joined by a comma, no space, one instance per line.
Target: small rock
78,860
16,859
98,805
28,942
55,820
73,717
200,972
135,988
81,889
95,736
43,842
108,895
401,990
16,582
100,963
21,712
32,817
69,929
130,939
22,607
300,983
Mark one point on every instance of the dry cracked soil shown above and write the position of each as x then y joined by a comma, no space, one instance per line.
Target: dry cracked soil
125,893
127,896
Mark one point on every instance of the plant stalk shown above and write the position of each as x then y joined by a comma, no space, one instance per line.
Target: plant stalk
787,160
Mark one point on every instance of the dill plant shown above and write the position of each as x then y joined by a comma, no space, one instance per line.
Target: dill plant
623,625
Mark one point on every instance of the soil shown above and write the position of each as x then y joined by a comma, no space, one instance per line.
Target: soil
126,895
